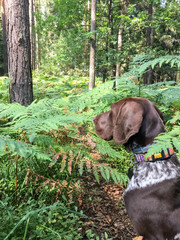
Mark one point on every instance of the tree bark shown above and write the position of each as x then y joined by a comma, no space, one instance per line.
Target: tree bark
19,55
92,46
148,76
37,36
119,49
86,29
32,33
111,45
123,10
5,56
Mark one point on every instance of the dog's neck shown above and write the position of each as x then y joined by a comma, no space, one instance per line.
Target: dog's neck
138,149
140,153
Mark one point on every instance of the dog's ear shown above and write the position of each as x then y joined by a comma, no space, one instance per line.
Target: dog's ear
127,119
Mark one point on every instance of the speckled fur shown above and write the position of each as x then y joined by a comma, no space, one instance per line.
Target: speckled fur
149,173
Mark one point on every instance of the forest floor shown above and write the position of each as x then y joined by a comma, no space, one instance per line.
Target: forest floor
104,206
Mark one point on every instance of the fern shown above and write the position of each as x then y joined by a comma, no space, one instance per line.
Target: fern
166,140
48,129
22,149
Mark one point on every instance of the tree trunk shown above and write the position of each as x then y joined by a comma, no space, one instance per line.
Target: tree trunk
148,76
123,10
119,49
19,55
32,33
5,56
86,29
92,46
37,38
111,45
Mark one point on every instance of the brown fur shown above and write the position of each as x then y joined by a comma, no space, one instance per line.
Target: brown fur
154,210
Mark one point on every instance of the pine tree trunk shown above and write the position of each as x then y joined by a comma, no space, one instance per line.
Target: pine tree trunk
86,29
19,55
120,36
37,38
148,76
111,45
32,33
92,46
119,49
5,56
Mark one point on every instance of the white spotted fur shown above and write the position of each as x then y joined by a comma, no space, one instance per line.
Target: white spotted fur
149,173
177,237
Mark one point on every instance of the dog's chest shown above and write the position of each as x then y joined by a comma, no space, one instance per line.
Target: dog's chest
149,173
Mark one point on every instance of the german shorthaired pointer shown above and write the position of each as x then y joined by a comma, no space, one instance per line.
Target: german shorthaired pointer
152,197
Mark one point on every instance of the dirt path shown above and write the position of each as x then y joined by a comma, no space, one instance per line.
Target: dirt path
103,204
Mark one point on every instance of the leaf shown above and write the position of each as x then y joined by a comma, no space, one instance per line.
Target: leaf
63,163
81,165
70,166
107,171
113,175
2,144
102,170
96,174
11,145
31,138
176,143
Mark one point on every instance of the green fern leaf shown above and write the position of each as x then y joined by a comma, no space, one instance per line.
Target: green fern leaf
113,175
2,144
107,172
95,171
176,143
81,165
102,170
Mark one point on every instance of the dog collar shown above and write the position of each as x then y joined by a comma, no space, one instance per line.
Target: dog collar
156,157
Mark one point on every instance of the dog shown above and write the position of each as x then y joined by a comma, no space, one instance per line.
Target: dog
152,197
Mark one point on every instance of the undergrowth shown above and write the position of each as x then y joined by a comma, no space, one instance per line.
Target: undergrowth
46,147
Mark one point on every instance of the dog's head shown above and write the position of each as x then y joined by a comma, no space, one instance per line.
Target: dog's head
130,119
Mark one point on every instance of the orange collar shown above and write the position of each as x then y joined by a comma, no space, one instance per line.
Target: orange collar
156,157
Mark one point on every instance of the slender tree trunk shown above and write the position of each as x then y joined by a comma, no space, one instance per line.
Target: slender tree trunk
123,10
111,45
119,50
32,33
37,37
5,56
19,55
92,46
86,29
178,76
148,77
105,68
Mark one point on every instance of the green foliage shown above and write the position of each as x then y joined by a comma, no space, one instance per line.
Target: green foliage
49,222
46,147
4,94
64,30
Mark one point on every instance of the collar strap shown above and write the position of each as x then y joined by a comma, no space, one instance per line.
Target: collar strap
156,157
141,149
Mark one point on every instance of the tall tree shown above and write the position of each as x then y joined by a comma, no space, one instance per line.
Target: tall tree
120,36
32,33
19,55
86,29
92,46
5,57
148,77
111,32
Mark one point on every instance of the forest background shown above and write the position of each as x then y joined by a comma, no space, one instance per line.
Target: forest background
47,147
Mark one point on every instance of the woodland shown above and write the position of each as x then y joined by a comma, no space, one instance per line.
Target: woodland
62,62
